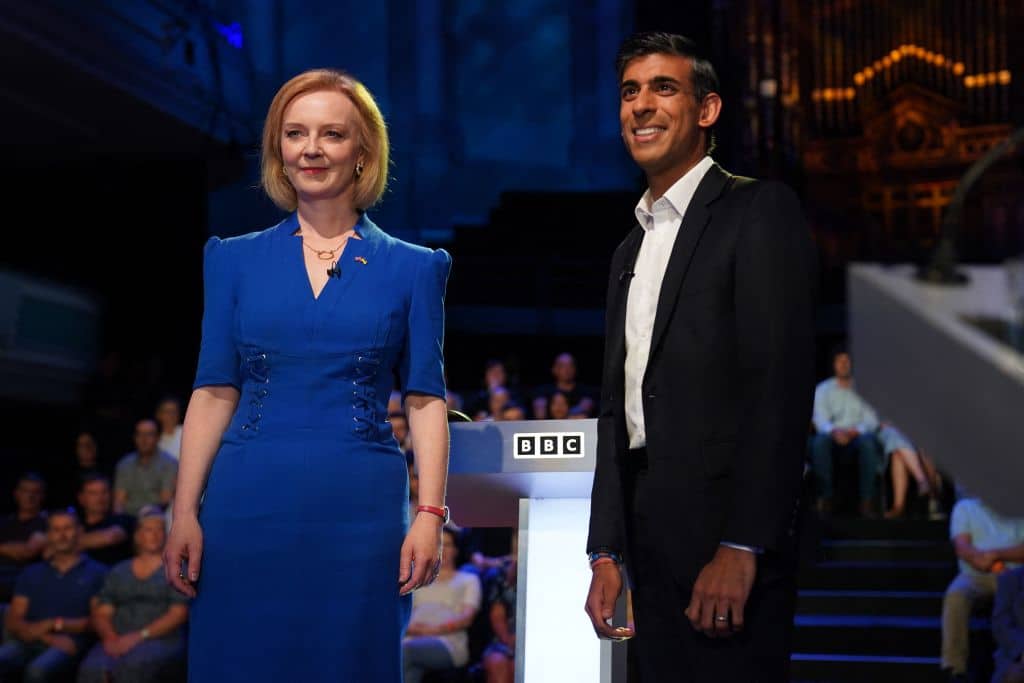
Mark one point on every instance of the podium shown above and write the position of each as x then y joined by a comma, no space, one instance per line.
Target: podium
537,475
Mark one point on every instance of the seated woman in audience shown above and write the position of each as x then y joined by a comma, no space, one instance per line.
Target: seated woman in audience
558,406
903,459
138,616
500,655
437,637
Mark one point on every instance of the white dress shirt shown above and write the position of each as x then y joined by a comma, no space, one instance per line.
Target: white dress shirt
661,225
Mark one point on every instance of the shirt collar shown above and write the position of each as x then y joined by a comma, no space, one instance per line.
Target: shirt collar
676,198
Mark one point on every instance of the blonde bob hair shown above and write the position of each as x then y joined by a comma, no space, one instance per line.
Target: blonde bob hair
370,127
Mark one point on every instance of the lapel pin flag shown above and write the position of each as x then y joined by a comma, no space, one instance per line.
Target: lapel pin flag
360,259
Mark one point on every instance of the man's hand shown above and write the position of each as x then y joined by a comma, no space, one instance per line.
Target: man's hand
605,588
121,645
62,642
840,436
721,592
38,630
982,561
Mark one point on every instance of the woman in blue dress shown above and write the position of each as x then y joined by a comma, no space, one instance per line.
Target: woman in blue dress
301,556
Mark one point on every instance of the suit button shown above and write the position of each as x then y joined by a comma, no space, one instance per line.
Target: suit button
650,395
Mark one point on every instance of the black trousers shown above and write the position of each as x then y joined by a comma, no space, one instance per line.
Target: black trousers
666,647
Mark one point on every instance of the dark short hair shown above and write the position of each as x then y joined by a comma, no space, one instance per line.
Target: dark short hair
92,478
705,79
66,512
838,350
34,477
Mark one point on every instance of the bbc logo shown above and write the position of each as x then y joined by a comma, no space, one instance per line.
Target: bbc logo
548,445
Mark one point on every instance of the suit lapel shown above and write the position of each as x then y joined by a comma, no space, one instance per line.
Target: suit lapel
617,303
695,220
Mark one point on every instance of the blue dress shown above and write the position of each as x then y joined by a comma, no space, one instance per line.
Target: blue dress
306,505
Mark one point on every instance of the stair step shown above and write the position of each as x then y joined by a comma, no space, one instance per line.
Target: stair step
878,575
882,636
839,528
888,603
829,668
885,550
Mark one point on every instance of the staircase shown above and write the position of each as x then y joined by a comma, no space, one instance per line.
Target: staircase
870,607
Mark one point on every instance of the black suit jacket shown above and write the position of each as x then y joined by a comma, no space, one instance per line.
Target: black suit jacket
730,378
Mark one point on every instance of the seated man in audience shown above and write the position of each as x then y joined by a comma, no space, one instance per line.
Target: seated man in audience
438,633
145,476
49,615
845,425
563,370
23,533
106,536
138,616
985,543
1008,627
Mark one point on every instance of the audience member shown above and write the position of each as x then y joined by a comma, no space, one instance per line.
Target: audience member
106,536
23,533
1008,628
145,476
903,459
512,411
497,399
845,426
558,406
168,415
500,655
981,538
48,618
495,376
563,370
138,616
437,637
400,428
395,403
453,400
65,482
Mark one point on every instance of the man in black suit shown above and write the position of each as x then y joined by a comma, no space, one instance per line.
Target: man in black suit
706,400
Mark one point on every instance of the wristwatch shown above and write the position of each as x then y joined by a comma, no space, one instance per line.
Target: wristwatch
443,512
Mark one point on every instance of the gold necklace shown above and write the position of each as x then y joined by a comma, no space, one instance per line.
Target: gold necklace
320,252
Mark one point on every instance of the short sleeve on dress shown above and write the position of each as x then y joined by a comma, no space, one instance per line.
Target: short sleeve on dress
421,369
218,357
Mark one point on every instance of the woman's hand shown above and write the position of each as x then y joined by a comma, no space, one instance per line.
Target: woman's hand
421,553
184,545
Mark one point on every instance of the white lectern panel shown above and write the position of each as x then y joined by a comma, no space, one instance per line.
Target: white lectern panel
559,642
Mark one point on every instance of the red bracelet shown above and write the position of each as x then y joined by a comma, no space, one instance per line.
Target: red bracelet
604,559
443,512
